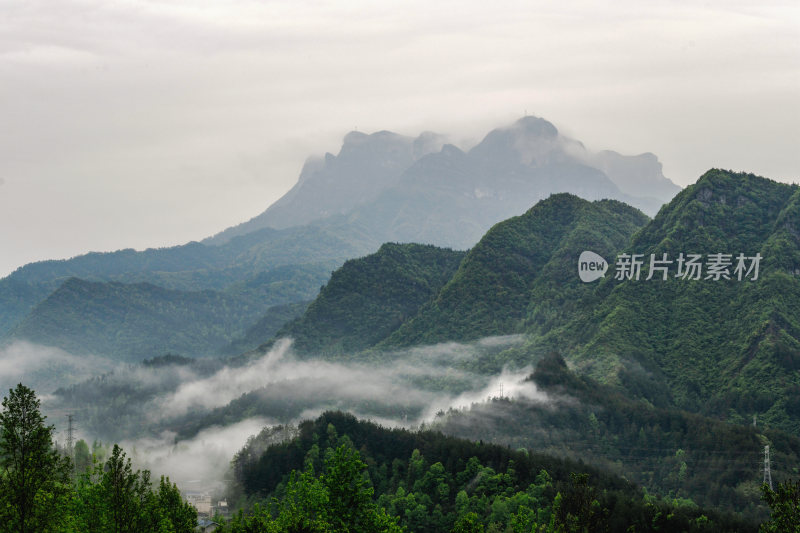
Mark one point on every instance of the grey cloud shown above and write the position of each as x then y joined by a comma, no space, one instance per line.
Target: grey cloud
198,463
44,368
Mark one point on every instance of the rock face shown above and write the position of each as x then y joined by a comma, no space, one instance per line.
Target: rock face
423,190
335,184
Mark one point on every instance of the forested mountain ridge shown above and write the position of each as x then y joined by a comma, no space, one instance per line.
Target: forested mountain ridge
239,265
134,321
491,291
481,293
726,348
368,298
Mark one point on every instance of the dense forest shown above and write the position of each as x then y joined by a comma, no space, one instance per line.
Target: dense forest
368,298
726,348
149,320
676,454
341,474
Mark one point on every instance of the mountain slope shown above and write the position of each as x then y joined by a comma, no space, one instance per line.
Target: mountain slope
667,451
491,292
192,267
396,189
134,321
267,326
726,348
331,185
368,298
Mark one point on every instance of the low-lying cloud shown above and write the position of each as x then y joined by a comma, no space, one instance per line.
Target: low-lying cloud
187,421
419,381
200,463
44,368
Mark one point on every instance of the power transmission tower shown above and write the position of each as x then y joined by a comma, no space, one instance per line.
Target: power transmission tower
70,433
767,473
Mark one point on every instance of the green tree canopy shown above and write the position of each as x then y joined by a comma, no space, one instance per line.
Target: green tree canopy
784,504
34,484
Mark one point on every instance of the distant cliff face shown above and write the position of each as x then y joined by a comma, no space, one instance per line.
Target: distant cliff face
334,184
423,190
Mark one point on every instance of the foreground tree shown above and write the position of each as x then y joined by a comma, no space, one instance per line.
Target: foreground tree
35,478
114,498
784,505
338,501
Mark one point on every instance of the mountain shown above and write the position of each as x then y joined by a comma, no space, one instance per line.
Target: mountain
640,176
191,267
726,348
335,184
133,321
491,291
398,189
368,298
729,349
381,187
481,293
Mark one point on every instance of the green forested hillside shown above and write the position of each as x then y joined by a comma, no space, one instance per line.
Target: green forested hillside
368,298
672,453
491,291
191,267
425,481
727,348
724,348
134,321
397,299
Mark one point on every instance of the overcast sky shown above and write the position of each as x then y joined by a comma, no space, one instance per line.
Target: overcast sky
152,123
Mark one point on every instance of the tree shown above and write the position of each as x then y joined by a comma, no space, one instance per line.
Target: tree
180,515
131,503
83,457
469,523
114,498
35,480
784,505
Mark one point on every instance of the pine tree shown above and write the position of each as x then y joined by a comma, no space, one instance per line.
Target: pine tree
35,478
